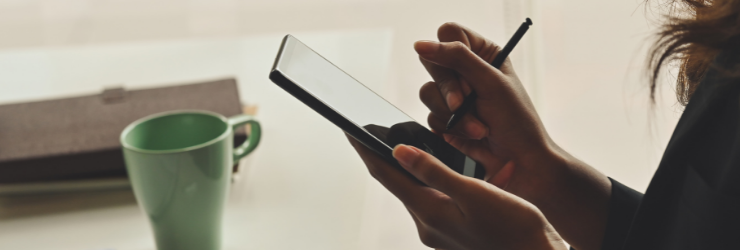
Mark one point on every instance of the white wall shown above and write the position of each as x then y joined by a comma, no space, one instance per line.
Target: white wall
593,93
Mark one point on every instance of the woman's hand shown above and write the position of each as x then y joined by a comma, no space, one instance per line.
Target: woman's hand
506,135
459,212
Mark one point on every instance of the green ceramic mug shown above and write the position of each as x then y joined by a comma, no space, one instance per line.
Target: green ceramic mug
179,164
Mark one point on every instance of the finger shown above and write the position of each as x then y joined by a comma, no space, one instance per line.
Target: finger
431,95
484,48
479,151
381,170
457,56
431,171
439,124
448,83
451,86
469,127
406,189
476,149
503,176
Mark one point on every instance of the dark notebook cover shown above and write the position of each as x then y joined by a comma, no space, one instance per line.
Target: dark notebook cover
78,138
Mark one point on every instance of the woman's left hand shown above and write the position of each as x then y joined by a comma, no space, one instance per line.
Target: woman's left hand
458,212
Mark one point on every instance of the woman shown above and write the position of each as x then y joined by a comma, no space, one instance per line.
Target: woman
536,195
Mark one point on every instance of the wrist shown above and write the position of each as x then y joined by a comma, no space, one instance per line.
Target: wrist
541,168
573,195
547,239
541,152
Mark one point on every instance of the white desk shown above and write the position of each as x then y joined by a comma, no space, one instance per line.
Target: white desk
303,188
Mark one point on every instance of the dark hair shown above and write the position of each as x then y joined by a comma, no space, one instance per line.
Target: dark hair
694,33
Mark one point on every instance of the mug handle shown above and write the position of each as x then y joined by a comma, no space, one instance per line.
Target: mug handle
252,140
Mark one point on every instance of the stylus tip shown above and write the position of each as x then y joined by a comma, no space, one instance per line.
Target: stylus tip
529,21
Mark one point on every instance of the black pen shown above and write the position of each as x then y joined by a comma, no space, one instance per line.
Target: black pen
467,104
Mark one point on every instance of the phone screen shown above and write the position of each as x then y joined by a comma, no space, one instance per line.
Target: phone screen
337,89
363,107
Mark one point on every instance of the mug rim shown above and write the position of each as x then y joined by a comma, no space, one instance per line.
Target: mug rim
137,122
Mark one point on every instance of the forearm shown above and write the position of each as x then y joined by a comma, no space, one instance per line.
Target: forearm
575,198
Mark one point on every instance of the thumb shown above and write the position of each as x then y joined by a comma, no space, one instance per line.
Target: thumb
458,57
430,170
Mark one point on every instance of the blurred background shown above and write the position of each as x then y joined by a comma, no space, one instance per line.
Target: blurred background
582,62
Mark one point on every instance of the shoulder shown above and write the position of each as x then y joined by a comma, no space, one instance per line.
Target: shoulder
725,68
722,80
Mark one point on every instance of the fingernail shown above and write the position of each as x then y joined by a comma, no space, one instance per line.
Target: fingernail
475,131
453,101
405,155
426,47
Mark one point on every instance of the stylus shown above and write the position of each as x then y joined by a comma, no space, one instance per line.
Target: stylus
496,63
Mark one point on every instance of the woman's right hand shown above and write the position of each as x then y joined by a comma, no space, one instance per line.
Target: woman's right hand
505,128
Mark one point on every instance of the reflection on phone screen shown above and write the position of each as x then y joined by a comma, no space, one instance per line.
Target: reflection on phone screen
363,107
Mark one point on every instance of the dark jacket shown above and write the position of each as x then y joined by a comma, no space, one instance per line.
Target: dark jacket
693,201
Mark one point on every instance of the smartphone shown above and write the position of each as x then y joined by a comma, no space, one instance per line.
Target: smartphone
357,110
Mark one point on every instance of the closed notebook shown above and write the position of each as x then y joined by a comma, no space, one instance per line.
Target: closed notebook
78,138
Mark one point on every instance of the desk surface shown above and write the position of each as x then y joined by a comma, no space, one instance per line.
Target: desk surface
303,188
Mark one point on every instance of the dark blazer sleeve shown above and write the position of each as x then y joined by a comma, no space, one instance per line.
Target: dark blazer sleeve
623,205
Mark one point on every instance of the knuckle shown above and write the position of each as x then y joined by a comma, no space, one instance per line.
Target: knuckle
448,27
448,85
429,175
432,221
457,50
494,46
373,173
420,168
427,91
429,239
490,51
458,47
